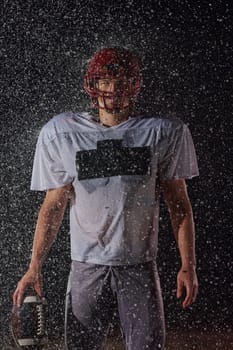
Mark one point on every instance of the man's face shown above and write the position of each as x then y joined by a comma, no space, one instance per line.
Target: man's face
113,94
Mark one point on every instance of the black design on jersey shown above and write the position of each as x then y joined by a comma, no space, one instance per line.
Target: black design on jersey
112,159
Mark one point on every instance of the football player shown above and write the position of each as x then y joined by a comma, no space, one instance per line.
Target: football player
111,168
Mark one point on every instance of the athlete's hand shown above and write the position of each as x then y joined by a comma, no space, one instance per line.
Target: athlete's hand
187,279
31,279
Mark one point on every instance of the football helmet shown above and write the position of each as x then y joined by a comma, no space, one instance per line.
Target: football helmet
120,65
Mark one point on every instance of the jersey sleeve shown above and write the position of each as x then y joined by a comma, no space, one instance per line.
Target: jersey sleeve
177,155
49,169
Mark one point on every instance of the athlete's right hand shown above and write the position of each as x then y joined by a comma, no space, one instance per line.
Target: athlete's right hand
31,279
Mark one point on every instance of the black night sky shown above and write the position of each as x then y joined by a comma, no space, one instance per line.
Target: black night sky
186,60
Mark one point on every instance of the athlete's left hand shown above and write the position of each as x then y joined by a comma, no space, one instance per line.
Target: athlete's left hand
187,279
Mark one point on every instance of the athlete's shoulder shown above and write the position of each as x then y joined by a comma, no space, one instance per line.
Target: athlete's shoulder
161,122
171,123
63,123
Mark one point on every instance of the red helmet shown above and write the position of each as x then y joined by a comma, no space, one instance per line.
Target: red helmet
113,63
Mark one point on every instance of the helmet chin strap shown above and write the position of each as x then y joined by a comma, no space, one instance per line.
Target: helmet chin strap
116,108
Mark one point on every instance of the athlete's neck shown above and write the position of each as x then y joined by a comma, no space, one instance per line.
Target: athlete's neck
109,119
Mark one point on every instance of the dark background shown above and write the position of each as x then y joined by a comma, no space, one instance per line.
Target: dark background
186,60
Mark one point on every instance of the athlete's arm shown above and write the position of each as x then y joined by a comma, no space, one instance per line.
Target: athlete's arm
180,209
49,220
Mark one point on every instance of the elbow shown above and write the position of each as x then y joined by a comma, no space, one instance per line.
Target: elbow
181,211
182,207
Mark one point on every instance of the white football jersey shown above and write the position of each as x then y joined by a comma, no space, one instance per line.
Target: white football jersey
115,172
